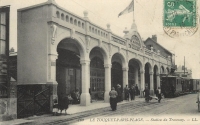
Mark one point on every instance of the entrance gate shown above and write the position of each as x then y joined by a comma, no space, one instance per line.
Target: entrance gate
97,79
116,77
32,100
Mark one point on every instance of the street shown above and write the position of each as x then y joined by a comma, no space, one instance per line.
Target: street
181,109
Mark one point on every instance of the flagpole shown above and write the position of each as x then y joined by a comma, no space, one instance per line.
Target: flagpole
133,11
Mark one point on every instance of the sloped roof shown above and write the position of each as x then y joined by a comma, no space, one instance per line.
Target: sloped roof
157,44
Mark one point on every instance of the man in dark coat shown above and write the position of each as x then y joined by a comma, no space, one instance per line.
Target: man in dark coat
136,90
132,92
146,94
119,97
126,92
65,103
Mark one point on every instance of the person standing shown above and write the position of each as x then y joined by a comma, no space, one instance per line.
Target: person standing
60,102
136,90
90,92
158,94
65,103
146,94
55,106
119,97
113,99
126,92
132,92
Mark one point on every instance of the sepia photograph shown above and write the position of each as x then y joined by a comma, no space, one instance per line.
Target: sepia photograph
103,62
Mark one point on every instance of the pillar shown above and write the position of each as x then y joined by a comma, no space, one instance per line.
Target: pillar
125,79
52,78
125,76
158,80
136,76
107,82
151,83
85,74
142,84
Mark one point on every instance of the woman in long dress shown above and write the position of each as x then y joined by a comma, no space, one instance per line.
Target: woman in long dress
113,99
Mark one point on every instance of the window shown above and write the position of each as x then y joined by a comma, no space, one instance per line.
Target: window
71,20
67,18
83,25
62,16
75,22
58,14
79,24
2,33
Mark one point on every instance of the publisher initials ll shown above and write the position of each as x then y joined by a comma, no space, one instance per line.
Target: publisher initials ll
194,119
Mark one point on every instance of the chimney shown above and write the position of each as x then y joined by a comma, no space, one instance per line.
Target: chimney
154,37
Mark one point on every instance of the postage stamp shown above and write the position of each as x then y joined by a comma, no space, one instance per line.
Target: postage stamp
180,17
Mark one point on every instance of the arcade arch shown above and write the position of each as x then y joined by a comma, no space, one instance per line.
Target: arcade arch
167,69
162,70
97,73
68,67
118,63
134,73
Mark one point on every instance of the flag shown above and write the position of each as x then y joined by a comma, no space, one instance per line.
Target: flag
128,9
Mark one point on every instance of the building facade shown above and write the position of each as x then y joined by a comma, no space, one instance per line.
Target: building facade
59,52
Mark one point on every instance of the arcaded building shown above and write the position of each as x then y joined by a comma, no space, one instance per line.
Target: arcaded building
59,52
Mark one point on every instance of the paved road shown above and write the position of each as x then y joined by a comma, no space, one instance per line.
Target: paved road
181,110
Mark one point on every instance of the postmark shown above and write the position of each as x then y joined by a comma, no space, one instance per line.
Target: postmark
180,17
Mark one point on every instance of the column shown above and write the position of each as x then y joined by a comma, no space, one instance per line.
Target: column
85,77
136,76
151,83
125,76
107,82
158,80
142,84
125,79
52,78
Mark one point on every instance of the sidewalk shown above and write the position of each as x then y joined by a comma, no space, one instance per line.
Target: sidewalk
73,109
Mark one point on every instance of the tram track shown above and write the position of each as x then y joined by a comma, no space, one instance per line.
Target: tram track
105,112
172,106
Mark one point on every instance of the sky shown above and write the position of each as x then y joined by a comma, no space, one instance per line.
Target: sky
148,16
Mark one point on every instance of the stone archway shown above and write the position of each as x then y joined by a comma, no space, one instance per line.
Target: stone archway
68,69
167,70
97,74
119,73
162,70
134,73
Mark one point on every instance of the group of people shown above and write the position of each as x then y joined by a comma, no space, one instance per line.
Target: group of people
116,94
133,91
147,96
115,97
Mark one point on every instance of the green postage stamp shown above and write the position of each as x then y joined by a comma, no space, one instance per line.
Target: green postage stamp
180,14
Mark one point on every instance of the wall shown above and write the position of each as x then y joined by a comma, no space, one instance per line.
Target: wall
32,45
